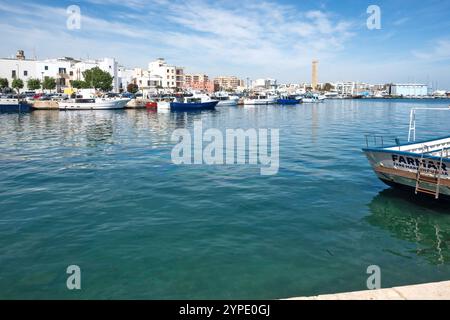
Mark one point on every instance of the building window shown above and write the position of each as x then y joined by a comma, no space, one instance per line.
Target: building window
25,73
71,73
46,68
14,75
62,71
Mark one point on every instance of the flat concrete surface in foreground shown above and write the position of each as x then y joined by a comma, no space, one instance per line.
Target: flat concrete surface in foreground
429,291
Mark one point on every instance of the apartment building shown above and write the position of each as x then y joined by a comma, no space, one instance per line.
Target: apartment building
228,82
172,76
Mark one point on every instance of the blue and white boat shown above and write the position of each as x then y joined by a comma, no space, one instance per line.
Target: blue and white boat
310,97
193,103
423,167
289,100
13,104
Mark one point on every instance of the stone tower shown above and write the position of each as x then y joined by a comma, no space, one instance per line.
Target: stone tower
314,80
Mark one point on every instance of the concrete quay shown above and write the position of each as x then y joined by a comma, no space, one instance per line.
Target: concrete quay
429,291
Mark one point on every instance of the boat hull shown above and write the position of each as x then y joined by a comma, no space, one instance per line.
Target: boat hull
193,106
289,101
102,105
226,103
137,104
14,106
257,102
397,168
309,100
151,105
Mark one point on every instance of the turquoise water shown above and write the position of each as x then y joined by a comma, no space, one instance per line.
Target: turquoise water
98,190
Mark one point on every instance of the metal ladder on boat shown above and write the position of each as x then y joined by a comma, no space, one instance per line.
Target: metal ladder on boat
436,180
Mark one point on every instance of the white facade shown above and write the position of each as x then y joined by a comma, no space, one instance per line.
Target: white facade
409,90
167,74
143,78
22,69
63,70
264,83
346,88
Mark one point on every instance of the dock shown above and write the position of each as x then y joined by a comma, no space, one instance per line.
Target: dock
429,291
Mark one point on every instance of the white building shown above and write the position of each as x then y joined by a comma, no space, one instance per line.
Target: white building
18,67
63,70
146,81
409,90
171,76
264,84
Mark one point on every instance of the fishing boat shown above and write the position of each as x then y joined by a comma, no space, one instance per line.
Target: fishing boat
14,104
192,103
259,99
313,98
422,167
152,104
289,100
93,104
225,99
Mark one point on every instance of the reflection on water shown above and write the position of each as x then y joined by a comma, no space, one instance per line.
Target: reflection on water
419,220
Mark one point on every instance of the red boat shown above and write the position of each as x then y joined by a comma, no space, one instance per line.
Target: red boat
152,104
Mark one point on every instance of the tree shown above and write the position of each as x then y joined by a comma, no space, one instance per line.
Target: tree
328,87
17,84
79,84
4,83
49,83
34,84
132,88
98,79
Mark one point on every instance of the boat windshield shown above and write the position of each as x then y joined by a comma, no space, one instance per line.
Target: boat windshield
84,100
193,100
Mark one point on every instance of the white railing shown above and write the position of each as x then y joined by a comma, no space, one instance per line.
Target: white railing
412,121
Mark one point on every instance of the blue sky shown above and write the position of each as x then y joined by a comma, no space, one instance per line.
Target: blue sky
246,38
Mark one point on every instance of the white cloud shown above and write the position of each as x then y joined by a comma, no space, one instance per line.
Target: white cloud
437,52
254,38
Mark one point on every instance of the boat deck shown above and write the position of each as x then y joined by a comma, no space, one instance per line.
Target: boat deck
431,147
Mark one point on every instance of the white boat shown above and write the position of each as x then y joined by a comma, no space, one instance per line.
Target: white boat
313,98
225,99
260,99
422,167
93,104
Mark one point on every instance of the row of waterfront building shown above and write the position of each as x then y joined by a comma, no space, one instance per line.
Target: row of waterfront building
159,75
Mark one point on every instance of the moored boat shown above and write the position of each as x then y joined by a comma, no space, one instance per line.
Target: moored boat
289,100
259,99
93,104
309,97
13,104
423,167
192,103
225,99
151,105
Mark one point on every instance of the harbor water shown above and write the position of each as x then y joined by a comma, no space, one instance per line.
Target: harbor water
98,189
